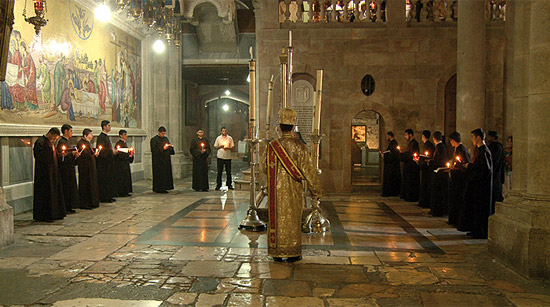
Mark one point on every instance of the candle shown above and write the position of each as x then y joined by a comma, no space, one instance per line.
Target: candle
63,148
458,158
202,146
415,155
398,147
251,53
83,146
427,153
131,149
448,164
252,93
318,99
99,148
269,102
290,38
117,147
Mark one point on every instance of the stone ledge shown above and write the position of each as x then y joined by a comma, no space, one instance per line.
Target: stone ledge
6,222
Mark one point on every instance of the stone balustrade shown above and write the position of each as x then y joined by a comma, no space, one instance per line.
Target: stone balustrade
374,11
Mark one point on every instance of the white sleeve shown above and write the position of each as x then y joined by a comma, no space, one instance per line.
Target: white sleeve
216,143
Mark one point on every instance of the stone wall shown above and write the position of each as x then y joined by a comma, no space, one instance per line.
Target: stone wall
410,64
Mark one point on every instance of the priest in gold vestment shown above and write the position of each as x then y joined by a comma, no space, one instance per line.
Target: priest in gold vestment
288,166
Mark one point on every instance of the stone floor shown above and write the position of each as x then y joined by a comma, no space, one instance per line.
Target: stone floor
183,248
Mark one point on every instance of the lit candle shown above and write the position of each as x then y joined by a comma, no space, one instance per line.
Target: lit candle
99,148
415,155
398,147
63,148
427,153
318,98
202,146
117,147
458,158
83,147
448,164
131,149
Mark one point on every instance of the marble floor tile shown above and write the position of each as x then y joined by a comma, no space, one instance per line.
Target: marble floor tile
190,234
97,302
210,300
278,301
209,268
272,270
346,302
95,248
182,298
329,273
200,223
200,253
245,300
462,299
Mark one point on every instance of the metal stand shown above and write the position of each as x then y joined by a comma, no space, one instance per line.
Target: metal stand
252,222
315,221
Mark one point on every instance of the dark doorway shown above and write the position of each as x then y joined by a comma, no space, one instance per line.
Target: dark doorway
366,133
450,106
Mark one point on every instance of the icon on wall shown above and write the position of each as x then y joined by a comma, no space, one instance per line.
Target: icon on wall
359,133
82,20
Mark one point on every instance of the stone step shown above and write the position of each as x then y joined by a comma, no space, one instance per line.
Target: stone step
243,185
371,187
247,174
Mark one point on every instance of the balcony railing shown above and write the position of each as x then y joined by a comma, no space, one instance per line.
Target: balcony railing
416,11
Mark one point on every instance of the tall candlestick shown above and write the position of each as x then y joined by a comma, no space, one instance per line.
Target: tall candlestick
283,57
269,102
318,99
251,53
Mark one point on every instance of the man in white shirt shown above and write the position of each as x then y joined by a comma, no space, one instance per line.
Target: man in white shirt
224,144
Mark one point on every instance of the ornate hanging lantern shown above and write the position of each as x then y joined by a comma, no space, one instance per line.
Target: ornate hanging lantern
135,10
39,20
121,4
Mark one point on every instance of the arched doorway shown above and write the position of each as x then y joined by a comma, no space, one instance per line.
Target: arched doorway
450,105
366,133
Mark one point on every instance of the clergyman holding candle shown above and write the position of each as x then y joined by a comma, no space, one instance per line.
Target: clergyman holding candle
161,150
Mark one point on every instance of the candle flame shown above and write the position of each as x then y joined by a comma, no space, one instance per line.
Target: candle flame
426,153
118,147
448,164
100,147
398,147
415,154
63,147
83,146
458,158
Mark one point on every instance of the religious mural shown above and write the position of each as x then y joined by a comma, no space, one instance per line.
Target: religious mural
77,74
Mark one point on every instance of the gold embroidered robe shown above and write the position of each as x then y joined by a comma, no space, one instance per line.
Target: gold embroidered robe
289,198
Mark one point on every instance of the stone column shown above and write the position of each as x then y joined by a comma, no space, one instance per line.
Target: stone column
519,232
175,114
470,87
148,105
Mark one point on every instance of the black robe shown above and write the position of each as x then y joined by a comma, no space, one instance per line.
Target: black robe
67,172
439,202
105,162
162,164
123,173
426,175
497,153
410,187
88,191
200,163
48,203
478,194
391,184
458,183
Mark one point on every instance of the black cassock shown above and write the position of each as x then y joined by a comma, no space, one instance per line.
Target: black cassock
458,183
67,172
410,187
105,162
200,163
162,164
88,191
439,201
391,184
426,175
497,154
478,194
48,203
123,173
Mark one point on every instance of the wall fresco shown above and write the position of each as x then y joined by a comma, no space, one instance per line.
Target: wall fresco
76,70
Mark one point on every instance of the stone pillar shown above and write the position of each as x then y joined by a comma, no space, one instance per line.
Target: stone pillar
6,221
395,13
470,87
519,232
509,28
175,113
148,105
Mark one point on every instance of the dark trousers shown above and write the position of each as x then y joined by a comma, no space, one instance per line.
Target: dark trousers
221,164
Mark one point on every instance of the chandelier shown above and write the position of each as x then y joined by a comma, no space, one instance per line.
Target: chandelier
161,16
39,20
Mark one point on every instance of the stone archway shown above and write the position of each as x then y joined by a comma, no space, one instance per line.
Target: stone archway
450,106
366,133
345,172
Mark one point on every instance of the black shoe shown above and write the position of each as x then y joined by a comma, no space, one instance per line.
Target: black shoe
162,192
231,188
204,190
293,259
218,188
278,259
71,211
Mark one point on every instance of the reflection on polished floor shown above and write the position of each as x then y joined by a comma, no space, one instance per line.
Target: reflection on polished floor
184,248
